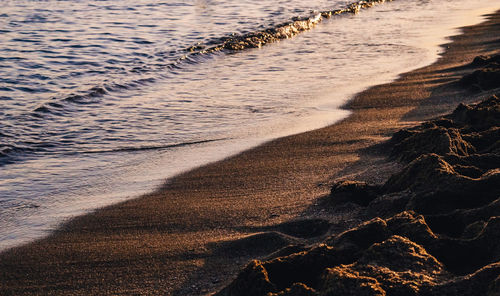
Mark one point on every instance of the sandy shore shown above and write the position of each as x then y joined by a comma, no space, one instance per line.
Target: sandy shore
183,239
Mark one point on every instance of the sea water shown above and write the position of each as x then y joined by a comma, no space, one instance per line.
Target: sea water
102,101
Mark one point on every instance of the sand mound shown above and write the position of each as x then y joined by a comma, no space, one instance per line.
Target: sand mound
396,256
486,78
356,192
434,226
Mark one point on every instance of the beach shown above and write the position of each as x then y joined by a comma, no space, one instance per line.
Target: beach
186,238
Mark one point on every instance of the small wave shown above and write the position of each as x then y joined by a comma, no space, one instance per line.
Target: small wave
154,147
31,90
42,109
90,96
55,105
8,153
11,59
281,31
95,92
61,40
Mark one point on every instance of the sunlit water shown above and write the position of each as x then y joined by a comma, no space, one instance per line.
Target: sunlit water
97,107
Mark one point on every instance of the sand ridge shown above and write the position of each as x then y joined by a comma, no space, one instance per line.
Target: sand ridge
431,228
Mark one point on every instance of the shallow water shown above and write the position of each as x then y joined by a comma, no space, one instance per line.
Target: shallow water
99,106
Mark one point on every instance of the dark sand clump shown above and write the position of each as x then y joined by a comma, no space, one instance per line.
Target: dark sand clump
431,229
486,78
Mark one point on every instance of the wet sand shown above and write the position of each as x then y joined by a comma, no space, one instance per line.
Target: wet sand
171,241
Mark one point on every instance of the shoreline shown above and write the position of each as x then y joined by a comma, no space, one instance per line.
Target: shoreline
115,177
168,239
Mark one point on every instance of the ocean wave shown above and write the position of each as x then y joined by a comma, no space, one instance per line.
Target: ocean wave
64,106
192,55
152,147
9,152
91,96
282,31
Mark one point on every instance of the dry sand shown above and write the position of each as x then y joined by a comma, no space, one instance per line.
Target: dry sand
168,242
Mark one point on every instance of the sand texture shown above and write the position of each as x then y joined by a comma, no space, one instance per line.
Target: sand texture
432,228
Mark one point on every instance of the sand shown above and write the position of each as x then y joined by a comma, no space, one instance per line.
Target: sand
431,229
183,239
